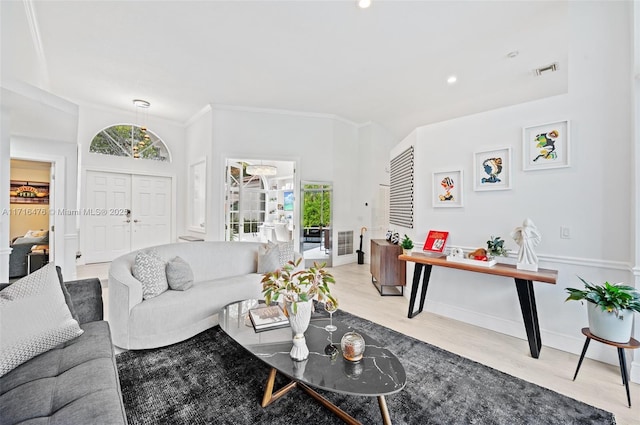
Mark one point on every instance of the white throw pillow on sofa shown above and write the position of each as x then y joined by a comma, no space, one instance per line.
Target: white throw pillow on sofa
179,274
269,258
34,318
149,269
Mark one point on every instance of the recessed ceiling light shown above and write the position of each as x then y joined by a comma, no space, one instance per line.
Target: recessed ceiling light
141,103
363,4
452,79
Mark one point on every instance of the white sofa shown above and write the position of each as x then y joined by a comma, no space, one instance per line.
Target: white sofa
223,272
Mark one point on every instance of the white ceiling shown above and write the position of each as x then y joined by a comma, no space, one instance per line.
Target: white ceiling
387,64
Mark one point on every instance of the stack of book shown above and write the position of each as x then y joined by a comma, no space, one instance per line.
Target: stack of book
268,317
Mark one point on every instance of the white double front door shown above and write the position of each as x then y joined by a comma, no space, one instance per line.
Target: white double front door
124,212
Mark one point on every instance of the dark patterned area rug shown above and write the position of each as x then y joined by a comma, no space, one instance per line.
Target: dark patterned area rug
210,379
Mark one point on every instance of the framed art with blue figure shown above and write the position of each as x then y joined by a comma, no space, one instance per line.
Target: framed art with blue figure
492,169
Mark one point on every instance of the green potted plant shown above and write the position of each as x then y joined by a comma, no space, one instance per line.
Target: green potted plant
495,247
297,290
407,245
609,308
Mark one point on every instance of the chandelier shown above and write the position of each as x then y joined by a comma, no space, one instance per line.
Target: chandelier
262,170
145,139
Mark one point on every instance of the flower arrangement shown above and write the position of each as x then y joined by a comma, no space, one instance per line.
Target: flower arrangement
298,286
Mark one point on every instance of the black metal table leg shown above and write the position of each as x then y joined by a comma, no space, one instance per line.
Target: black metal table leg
417,271
584,351
623,371
530,315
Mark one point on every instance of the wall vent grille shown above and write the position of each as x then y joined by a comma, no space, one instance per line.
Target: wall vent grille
401,191
345,243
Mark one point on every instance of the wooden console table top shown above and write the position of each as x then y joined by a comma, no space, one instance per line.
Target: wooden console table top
507,270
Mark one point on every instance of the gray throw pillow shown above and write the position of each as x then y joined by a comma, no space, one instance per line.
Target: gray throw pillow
269,258
179,274
149,269
34,318
67,296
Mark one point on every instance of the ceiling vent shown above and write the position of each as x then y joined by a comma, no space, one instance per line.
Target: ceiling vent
546,69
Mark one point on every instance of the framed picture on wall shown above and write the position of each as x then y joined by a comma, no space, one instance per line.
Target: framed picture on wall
492,169
545,146
28,192
288,200
447,189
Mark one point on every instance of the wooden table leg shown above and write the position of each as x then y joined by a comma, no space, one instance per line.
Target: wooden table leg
417,271
269,396
530,315
386,418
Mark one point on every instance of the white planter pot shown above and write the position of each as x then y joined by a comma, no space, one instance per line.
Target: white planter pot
299,323
606,325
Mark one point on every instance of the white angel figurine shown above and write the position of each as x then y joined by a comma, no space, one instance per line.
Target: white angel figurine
527,237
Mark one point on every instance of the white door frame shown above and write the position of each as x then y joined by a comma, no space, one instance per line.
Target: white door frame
58,163
81,200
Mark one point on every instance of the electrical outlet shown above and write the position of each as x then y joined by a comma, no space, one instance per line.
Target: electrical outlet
565,232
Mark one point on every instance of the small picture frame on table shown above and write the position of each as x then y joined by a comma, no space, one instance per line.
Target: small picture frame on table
448,189
545,146
492,169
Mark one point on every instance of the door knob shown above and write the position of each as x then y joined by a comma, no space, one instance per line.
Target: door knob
127,221
135,221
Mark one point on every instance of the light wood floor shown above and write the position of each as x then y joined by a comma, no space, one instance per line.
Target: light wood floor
598,384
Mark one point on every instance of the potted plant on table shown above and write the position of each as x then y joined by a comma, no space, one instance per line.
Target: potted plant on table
609,308
407,245
495,247
298,289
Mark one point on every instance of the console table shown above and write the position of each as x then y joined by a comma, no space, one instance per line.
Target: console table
524,285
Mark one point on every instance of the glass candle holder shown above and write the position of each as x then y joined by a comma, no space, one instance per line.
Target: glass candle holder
352,344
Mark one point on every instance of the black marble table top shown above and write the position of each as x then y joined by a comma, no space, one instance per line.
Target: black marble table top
378,373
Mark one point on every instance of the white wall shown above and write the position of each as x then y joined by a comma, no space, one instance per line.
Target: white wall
198,138
592,197
5,166
324,148
41,126
374,142
347,208
635,110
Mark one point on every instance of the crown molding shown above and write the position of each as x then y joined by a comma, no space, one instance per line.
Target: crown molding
34,28
206,109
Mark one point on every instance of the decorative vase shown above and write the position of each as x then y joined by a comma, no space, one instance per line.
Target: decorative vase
299,322
607,325
352,345
406,251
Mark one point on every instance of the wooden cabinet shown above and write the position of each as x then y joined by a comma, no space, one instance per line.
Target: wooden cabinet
388,274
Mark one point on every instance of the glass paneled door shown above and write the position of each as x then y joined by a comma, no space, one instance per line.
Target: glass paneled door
316,239
245,204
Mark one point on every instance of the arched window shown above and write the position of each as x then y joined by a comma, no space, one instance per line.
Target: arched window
129,141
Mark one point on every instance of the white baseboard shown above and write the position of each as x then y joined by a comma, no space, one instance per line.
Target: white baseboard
568,343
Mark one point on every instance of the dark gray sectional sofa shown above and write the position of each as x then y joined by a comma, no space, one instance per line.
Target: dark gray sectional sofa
74,383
